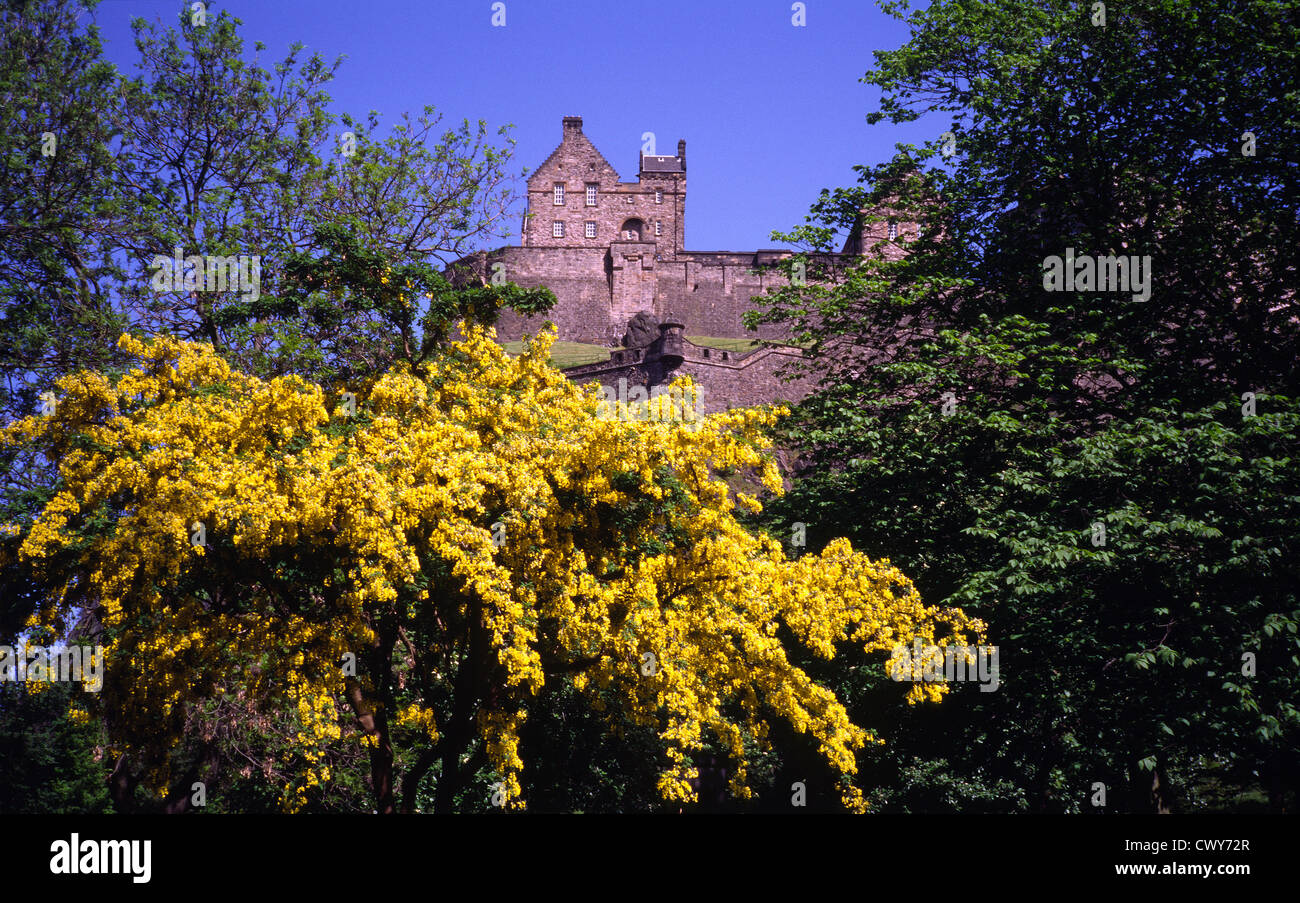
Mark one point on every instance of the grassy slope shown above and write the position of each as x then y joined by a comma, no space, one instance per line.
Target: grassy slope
740,346
567,354
573,354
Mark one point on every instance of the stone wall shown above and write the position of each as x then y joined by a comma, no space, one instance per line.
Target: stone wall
579,277
711,292
726,379
599,289
626,268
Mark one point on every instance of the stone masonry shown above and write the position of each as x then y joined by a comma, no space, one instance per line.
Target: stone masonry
610,250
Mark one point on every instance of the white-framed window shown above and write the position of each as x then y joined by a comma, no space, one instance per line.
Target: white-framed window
557,229
592,188
659,195
558,194
893,230
590,229
659,228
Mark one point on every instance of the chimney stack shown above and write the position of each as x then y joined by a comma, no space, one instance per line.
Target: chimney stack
572,125
681,152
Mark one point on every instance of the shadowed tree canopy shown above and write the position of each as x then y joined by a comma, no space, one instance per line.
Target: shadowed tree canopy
1111,484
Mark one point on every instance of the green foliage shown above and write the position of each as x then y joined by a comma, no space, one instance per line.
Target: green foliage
61,211
208,150
221,157
973,427
361,310
48,761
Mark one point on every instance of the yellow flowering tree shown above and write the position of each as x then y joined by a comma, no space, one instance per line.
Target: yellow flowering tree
409,563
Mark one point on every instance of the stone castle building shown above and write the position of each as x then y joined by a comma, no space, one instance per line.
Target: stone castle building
614,251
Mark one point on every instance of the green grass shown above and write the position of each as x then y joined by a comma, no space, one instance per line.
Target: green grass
740,346
566,354
574,354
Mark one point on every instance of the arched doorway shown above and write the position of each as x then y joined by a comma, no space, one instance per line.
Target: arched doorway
631,230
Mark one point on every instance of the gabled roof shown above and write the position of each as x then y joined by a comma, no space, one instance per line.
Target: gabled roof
572,137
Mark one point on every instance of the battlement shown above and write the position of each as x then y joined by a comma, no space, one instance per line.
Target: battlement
612,250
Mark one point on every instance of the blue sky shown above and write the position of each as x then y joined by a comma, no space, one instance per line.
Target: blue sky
771,113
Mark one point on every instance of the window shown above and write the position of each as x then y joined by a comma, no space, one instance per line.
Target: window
893,229
590,231
659,228
559,194
557,229
659,195
592,188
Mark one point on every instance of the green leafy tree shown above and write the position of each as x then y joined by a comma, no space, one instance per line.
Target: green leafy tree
222,156
61,213
49,762
974,426
206,150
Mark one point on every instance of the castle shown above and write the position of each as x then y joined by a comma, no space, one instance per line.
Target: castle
614,253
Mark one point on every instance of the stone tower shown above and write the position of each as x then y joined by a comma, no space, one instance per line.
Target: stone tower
611,249
614,253
576,201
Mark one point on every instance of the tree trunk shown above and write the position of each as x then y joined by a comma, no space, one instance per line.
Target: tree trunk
411,783
181,800
460,727
121,786
374,718
1162,791
381,767
1150,792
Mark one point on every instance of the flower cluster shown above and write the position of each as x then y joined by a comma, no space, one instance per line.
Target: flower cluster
487,514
